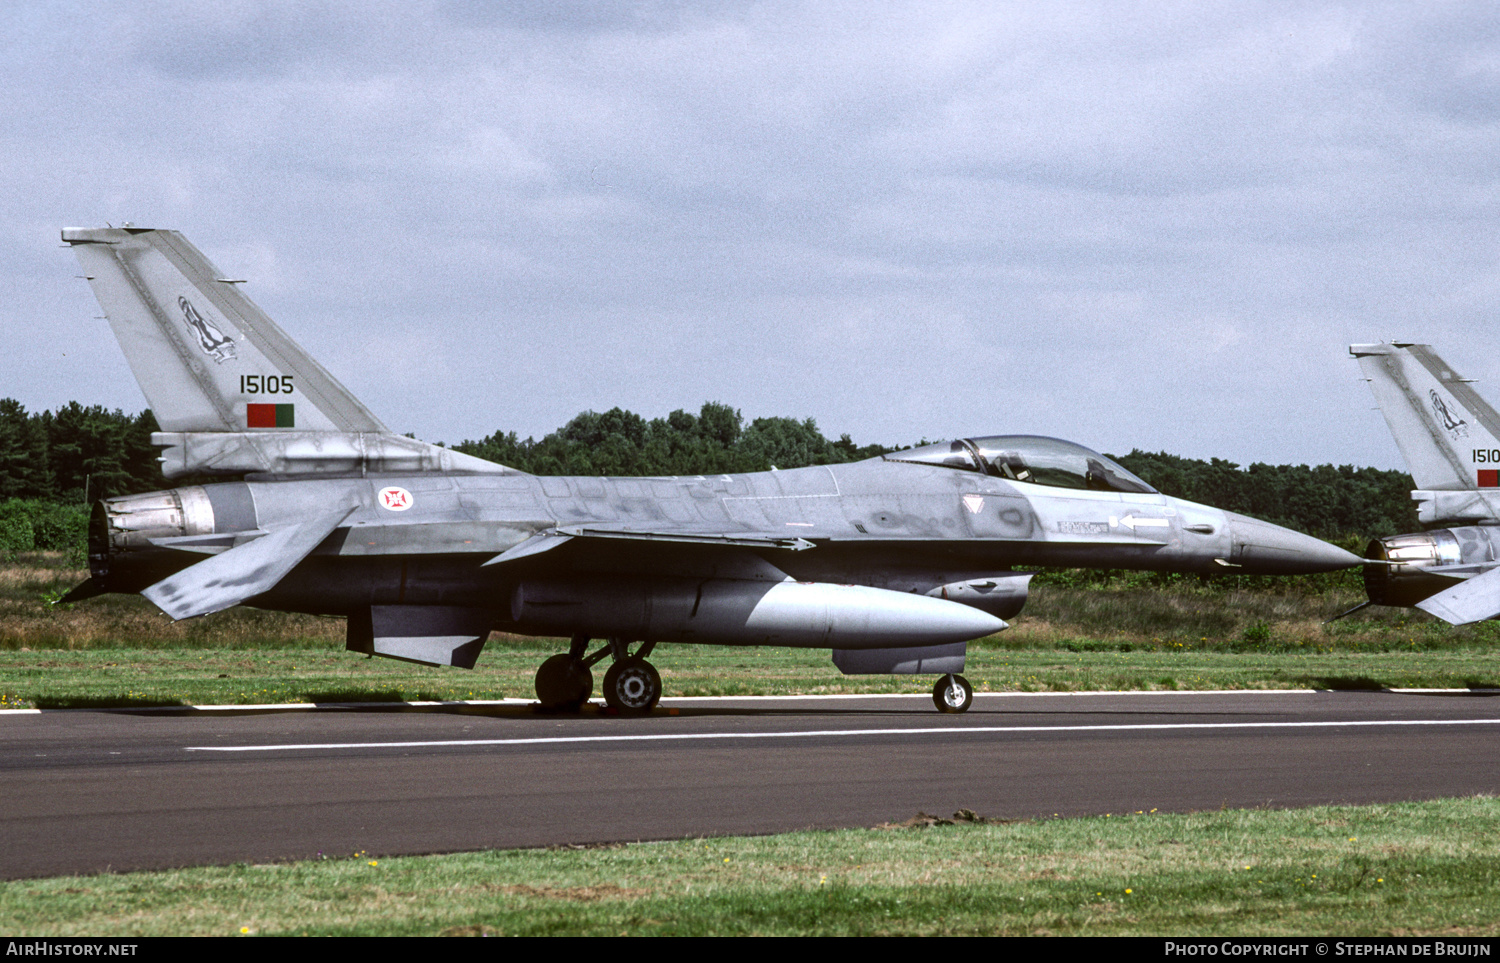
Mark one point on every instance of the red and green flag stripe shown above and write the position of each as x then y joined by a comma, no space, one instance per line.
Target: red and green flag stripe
269,416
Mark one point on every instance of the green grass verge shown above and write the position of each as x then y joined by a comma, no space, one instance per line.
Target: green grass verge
1411,869
164,677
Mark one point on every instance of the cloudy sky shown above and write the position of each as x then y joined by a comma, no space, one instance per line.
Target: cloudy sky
1152,226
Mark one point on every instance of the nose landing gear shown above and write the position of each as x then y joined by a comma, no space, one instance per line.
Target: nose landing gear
952,694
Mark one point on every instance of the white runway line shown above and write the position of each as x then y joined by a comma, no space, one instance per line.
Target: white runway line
815,733
1023,695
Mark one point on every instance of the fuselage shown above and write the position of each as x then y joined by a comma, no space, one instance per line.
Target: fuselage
423,538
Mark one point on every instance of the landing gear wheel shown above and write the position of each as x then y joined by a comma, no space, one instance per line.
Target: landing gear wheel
563,684
952,694
632,685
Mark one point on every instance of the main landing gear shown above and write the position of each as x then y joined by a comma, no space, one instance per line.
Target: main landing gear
631,684
563,684
952,694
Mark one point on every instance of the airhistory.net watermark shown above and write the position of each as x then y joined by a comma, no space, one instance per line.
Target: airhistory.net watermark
67,948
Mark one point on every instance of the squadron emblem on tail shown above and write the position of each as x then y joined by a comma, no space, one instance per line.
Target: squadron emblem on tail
1455,427
214,342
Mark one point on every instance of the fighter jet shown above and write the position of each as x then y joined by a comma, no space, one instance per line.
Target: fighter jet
894,563
1450,439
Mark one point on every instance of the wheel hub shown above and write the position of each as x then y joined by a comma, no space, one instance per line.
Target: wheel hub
634,687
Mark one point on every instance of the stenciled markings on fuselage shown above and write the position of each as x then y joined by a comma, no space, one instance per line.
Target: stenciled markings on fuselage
1083,528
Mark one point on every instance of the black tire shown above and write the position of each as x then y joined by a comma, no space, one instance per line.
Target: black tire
632,686
563,684
944,694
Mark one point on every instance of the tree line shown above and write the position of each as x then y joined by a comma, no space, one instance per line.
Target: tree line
714,441
1326,501
75,453
78,454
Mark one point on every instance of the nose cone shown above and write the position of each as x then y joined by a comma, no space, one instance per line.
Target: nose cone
1261,548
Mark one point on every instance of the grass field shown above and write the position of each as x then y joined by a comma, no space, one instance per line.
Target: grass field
1411,869
1428,868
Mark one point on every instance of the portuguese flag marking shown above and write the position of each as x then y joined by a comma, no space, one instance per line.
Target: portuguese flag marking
269,416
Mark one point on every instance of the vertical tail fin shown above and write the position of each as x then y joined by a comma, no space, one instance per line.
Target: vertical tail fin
1448,435
231,391
203,353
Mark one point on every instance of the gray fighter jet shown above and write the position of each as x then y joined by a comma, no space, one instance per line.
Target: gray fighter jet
893,563
1450,439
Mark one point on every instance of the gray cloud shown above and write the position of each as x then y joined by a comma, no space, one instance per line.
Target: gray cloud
1137,225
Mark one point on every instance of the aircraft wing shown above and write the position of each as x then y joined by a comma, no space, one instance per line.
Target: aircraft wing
244,571
1472,600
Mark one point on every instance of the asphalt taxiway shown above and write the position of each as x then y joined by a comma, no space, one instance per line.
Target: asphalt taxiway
92,791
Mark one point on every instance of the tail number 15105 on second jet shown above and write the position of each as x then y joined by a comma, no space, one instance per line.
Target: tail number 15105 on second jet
265,384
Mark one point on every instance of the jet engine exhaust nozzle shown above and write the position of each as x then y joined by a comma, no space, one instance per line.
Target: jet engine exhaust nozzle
1404,569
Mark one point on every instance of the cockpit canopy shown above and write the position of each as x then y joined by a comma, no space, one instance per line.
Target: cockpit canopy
1028,458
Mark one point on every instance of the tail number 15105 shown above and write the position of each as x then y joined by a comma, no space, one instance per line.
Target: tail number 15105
265,384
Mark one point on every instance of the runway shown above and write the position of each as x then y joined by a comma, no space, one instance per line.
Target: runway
93,791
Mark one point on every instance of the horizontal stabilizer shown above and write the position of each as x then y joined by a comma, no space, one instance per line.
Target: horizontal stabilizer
242,572
1472,600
